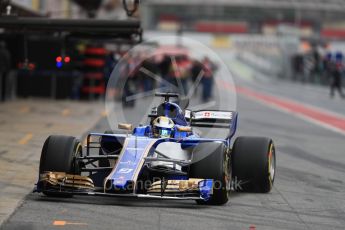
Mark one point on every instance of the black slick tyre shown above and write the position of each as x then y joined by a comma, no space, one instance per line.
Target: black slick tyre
59,155
253,164
216,166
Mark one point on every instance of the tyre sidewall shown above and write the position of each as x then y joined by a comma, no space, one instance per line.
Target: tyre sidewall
58,155
250,164
214,166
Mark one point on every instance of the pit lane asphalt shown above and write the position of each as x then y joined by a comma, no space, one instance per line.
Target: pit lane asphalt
309,188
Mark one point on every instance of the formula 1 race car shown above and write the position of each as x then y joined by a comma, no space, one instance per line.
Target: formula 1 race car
165,159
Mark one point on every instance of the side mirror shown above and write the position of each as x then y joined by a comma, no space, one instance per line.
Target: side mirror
188,114
184,129
124,126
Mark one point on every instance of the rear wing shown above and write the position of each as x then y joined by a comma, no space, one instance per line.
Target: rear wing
212,119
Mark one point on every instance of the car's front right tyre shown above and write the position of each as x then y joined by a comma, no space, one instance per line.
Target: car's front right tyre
59,155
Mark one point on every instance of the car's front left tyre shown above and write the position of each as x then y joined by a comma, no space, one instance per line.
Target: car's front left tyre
253,164
215,165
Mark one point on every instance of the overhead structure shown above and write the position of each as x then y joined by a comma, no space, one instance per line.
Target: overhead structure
81,28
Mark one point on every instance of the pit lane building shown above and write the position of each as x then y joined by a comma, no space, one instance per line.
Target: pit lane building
325,17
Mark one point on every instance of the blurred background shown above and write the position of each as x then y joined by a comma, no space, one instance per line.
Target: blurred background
293,40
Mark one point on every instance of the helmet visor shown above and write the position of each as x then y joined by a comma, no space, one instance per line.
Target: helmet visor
163,132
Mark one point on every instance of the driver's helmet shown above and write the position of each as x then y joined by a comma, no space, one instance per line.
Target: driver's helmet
162,127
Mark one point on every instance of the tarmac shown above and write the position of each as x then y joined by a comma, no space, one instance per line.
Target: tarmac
24,126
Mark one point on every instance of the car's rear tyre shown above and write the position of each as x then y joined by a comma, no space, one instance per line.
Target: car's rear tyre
216,166
59,155
253,164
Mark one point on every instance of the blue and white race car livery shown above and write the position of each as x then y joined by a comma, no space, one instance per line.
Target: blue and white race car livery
165,159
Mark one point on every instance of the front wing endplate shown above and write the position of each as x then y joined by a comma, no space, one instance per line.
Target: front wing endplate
67,181
203,187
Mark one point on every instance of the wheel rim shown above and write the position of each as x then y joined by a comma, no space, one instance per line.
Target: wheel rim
228,175
271,164
77,153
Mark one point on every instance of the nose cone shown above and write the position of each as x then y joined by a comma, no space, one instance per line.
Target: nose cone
119,185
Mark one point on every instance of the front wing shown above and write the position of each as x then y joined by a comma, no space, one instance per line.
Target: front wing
192,189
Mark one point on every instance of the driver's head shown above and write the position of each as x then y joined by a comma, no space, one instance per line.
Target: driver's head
162,127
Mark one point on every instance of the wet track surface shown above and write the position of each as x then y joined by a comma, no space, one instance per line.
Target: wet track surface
309,187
